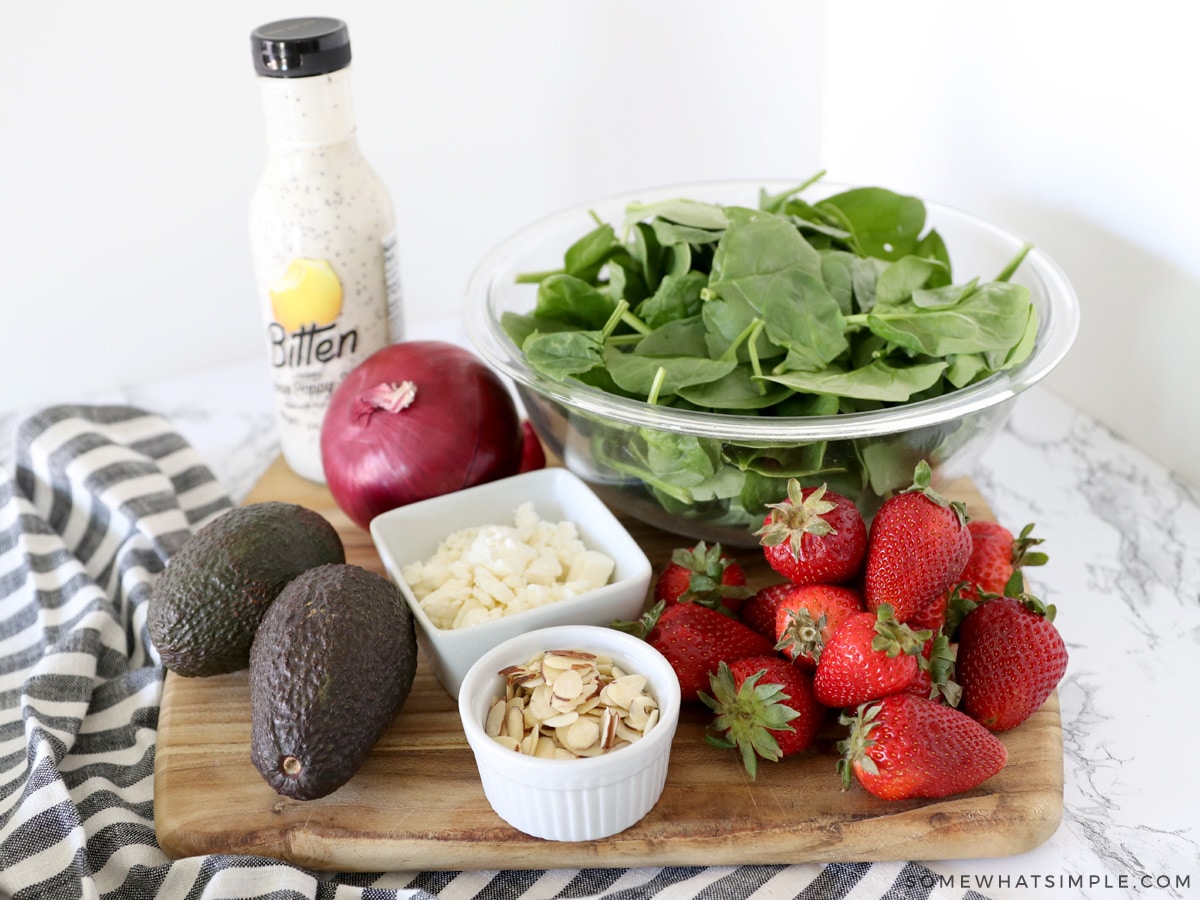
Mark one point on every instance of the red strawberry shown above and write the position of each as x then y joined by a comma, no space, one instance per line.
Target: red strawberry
918,546
760,610
695,640
931,616
994,568
902,746
1010,658
995,555
870,655
763,706
702,575
808,616
815,535
935,674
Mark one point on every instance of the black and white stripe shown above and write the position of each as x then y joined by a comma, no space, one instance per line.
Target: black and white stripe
98,499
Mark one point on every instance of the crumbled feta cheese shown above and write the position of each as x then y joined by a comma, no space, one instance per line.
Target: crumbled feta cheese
491,571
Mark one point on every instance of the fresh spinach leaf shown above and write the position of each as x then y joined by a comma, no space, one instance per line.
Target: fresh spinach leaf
882,223
931,246
519,326
837,271
572,300
898,281
681,211
731,327
640,374
670,233
561,354
1020,351
864,273
789,309
627,279
966,368
677,297
751,254
738,390
645,248
877,381
677,337
587,256
993,317
801,316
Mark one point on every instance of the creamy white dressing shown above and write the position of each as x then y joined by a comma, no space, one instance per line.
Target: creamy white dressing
322,234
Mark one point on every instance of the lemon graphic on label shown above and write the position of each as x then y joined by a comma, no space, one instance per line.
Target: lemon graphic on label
309,293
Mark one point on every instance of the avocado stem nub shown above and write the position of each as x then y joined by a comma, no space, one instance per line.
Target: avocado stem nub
292,766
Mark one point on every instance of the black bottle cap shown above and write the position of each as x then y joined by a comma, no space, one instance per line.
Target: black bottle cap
299,48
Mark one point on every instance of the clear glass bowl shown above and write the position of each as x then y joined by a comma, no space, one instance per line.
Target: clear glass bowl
865,456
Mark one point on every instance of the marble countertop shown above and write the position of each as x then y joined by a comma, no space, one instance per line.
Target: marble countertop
1123,536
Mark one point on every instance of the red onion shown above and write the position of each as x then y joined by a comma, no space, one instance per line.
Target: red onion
533,456
416,420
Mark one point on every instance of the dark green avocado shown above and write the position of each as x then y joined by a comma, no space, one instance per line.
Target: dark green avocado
330,667
207,604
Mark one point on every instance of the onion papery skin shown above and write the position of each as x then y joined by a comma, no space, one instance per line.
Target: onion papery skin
460,429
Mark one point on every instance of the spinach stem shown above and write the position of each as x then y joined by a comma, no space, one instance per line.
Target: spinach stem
620,340
614,319
773,202
1007,272
634,322
809,182
659,377
755,326
536,277
755,362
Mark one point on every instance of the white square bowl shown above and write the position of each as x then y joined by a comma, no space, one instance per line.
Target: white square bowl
412,534
572,799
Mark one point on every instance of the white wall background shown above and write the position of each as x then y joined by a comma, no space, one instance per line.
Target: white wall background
1073,124
131,139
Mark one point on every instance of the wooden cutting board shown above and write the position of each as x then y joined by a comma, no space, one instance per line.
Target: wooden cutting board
417,803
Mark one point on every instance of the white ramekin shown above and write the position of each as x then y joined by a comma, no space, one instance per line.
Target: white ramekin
576,799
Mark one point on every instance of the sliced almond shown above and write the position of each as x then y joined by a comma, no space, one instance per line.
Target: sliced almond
562,720
514,721
564,704
495,718
608,728
568,686
529,743
540,706
639,710
580,736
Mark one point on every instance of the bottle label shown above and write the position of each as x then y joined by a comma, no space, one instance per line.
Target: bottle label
317,332
391,274
306,303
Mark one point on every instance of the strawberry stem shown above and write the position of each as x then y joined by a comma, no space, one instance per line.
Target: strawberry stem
642,626
746,716
923,484
706,583
1022,549
803,635
791,519
893,637
854,746
940,664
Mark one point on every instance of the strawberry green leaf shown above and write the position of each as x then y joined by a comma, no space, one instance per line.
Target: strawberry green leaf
642,626
745,716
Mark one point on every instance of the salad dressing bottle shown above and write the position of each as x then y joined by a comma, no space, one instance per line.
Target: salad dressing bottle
322,231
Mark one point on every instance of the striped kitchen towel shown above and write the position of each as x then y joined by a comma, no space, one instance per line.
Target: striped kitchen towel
97,500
